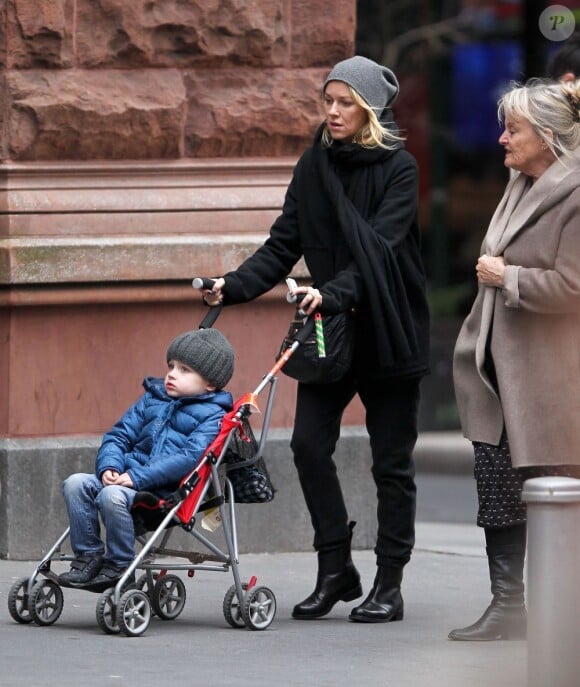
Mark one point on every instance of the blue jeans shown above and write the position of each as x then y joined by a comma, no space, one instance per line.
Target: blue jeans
86,499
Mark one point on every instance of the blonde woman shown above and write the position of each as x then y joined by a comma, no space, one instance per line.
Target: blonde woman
517,357
351,211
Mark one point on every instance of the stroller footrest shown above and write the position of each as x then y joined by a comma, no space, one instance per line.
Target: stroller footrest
194,557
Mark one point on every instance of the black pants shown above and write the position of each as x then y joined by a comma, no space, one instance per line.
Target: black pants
391,421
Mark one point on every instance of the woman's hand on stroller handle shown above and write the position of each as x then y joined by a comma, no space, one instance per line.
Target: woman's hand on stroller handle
211,289
307,298
202,283
211,292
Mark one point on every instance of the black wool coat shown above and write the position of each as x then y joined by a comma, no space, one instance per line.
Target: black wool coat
309,226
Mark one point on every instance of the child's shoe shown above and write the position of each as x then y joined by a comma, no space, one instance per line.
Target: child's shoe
108,576
82,569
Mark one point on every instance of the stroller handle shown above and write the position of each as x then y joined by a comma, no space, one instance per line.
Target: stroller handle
211,316
305,331
203,283
292,297
214,310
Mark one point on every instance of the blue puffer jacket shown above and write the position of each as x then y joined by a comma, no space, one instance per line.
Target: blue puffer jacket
160,439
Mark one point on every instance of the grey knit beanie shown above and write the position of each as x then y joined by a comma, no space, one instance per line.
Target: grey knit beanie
373,82
208,352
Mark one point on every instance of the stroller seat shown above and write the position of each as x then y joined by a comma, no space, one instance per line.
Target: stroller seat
150,509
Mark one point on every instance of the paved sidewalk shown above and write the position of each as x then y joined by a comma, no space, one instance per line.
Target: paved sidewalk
446,585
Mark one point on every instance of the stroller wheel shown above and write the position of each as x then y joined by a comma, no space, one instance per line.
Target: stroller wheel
18,601
146,582
46,602
142,582
233,607
259,608
168,597
107,613
134,612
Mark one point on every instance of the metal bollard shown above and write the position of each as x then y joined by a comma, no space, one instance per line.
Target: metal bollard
553,505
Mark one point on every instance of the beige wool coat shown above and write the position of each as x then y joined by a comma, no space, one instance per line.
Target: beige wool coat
533,325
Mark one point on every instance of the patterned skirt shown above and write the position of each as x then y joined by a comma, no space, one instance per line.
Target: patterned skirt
499,485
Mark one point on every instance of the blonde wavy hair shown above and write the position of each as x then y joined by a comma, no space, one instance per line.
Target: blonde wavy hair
373,134
552,108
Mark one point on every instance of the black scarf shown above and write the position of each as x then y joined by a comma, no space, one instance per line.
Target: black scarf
377,265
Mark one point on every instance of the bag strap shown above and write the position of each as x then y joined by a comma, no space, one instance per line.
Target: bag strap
242,464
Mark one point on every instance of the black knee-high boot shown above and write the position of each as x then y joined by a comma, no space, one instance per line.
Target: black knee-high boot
337,580
505,617
384,602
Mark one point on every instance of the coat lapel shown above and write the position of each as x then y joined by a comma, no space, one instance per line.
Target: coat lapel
556,183
515,189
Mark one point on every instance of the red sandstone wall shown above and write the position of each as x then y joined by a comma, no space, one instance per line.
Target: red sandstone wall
119,80
96,255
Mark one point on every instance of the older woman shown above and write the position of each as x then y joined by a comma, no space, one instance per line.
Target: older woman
517,357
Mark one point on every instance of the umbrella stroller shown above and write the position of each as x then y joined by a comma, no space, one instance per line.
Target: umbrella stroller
231,470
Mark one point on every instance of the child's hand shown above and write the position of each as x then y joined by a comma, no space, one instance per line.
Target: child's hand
124,480
109,477
113,477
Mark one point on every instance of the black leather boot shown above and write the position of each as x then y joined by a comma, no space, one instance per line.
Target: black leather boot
505,617
337,580
384,602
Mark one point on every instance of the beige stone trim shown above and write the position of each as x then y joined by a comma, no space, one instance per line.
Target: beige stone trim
96,222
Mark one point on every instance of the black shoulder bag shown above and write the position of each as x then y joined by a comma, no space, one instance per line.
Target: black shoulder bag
326,347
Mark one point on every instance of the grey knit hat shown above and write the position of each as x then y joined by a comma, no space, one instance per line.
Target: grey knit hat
208,352
373,82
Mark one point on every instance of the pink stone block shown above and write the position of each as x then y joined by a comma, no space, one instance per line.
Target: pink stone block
170,33
39,33
95,115
322,34
247,112
84,363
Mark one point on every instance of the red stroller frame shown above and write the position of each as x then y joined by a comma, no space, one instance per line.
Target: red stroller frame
129,606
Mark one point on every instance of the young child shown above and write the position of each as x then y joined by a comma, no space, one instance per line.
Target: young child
156,442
